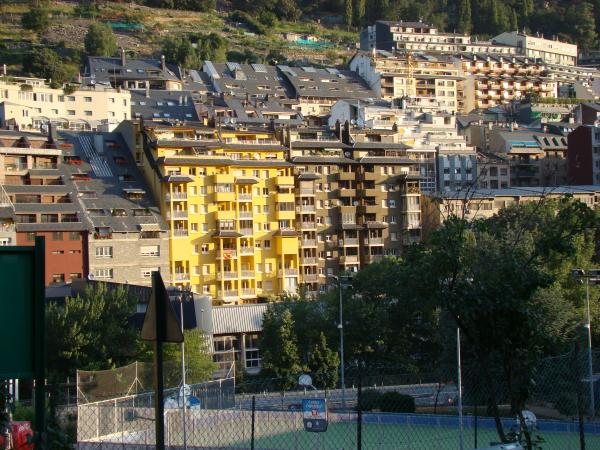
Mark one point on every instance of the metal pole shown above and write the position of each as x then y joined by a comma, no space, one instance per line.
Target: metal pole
183,372
460,405
590,366
341,327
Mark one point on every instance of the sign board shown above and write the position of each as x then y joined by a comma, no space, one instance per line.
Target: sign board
314,414
22,306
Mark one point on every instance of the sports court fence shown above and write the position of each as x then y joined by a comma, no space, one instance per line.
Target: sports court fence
378,409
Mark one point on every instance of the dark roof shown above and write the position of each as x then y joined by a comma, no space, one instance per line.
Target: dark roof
381,145
386,160
105,70
157,104
323,160
252,79
524,192
225,161
309,176
318,144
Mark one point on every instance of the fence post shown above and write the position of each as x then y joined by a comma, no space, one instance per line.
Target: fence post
253,415
579,391
359,408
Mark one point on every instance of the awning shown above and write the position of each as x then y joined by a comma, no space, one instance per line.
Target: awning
149,227
245,181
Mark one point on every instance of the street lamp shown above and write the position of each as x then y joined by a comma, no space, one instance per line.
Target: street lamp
340,282
594,276
182,297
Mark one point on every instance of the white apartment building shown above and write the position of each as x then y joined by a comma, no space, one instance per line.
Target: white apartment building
551,51
30,104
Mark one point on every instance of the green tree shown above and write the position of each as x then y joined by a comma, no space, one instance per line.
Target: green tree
278,346
100,40
91,332
179,50
324,364
349,16
88,9
199,366
37,18
581,18
46,63
464,24
359,13
212,47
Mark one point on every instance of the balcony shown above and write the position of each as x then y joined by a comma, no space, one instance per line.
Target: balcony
227,275
247,251
177,214
305,192
180,233
308,242
176,196
248,292
374,258
349,242
245,215
227,253
374,241
225,214
370,176
310,278
350,259
247,231
247,274
309,261
308,225
181,276
288,272
285,215
305,209
347,176
347,192
244,197
372,192
227,294
224,196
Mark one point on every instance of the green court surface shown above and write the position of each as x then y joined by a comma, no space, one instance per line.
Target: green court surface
418,437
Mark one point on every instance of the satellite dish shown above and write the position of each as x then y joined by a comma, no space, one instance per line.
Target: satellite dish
347,154
233,120
226,121
353,122
305,380
91,277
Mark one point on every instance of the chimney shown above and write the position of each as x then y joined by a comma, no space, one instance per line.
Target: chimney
163,64
147,89
123,57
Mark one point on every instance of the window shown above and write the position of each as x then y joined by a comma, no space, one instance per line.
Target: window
150,250
71,98
193,190
147,272
392,203
58,278
206,289
75,275
74,236
205,228
392,219
87,113
268,267
265,192
31,236
194,227
103,273
258,267
393,237
57,236
104,252
267,243
70,112
196,249
266,209
257,244
203,209
206,269
87,99
205,249
202,190
266,227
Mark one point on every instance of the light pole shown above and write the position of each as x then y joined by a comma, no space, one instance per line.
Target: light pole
594,275
183,294
341,328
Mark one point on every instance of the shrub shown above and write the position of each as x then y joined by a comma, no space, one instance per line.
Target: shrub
369,400
396,402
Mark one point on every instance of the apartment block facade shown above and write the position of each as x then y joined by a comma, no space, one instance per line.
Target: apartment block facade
228,198
584,155
550,50
30,104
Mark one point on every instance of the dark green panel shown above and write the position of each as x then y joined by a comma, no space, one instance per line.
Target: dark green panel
17,314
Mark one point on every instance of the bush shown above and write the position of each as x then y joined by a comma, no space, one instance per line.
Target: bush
396,402
250,23
23,413
369,400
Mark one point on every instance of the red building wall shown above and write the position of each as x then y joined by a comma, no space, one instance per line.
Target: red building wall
64,257
579,156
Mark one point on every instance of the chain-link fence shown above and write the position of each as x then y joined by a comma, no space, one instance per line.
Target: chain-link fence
378,409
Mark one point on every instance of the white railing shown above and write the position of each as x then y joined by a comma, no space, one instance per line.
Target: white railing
248,292
350,241
246,231
181,276
288,272
306,208
245,197
226,275
180,233
247,273
245,214
309,243
227,294
176,196
306,191
375,241
178,215
310,260
310,277
307,225
247,251
349,259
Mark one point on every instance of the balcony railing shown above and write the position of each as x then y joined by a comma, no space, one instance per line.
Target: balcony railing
374,241
245,215
245,251
308,225
176,196
227,253
309,261
306,208
248,292
309,242
244,197
247,273
306,191
181,276
310,277
180,233
227,275
247,231
177,215
349,241
227,294
288,273
349,259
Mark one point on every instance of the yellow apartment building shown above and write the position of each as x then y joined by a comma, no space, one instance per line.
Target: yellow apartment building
228,197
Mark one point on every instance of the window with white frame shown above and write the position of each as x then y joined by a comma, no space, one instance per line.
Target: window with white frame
150,250
103,274
104,252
